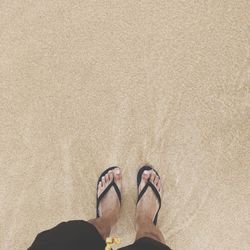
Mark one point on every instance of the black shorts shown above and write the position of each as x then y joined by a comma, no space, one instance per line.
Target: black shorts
81,235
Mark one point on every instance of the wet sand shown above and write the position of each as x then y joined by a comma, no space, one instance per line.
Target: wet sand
89,84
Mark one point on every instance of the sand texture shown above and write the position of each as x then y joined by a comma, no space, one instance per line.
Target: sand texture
89,84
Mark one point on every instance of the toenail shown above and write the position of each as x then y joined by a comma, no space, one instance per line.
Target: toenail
117,171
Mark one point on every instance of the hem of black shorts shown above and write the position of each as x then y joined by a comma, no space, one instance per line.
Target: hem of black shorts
160,244
94,228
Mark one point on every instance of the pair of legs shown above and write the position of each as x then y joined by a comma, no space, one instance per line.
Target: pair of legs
79,235
146,208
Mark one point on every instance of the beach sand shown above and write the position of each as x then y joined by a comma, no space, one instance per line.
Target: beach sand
85,85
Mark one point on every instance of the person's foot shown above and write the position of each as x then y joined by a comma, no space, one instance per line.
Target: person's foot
110,205
148,204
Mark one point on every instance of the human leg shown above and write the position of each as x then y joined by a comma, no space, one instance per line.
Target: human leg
148,236
109,207
147,207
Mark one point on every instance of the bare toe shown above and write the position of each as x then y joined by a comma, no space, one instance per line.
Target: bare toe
152,176
156,180
159,185
144,179
118,177
111,175
103,181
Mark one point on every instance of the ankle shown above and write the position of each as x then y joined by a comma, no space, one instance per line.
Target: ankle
143,220
110,220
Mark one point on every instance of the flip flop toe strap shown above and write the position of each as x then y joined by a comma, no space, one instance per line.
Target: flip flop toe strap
106,190
150,184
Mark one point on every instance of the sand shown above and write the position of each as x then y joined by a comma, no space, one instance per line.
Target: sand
89,84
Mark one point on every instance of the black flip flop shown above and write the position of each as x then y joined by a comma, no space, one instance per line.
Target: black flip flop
112,184
148,184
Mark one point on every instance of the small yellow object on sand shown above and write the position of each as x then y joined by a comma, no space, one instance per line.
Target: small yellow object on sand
111,241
